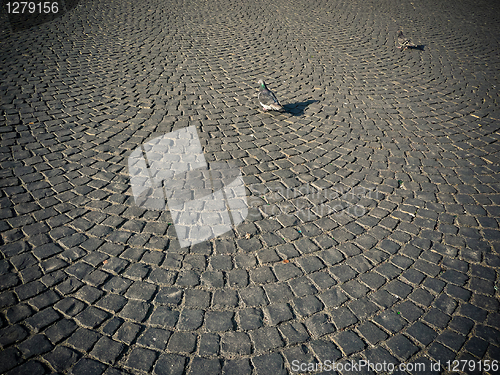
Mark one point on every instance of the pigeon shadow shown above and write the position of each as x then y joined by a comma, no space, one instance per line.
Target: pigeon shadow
297,109
420,47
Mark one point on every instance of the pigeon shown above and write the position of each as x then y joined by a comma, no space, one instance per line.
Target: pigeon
267,99
404,43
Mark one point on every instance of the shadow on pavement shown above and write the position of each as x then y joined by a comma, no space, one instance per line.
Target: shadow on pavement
297,109
420,47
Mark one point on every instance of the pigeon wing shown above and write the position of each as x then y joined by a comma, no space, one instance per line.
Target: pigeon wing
267,97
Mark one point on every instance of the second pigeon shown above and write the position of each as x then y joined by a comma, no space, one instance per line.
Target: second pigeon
404,43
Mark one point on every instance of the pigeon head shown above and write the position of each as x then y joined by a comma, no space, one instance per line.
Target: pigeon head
261,83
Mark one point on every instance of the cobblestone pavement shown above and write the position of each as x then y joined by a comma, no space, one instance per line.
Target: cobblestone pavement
373,231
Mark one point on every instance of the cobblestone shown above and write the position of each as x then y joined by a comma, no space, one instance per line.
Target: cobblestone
141,359
107,350
170,364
